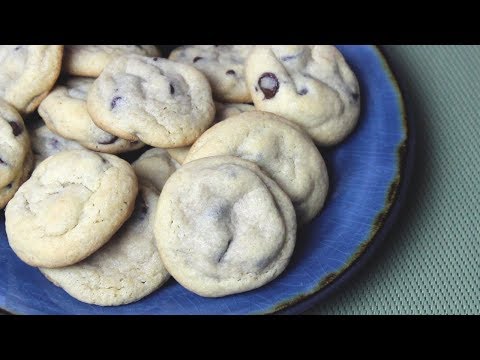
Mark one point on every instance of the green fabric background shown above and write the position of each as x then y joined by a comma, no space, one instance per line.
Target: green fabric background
430,262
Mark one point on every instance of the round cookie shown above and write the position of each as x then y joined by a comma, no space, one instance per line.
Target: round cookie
223,65
223,111
65,113
72,205
311,85
14,150
160,102
45,143
27,73
155,166
224,227
282,151
129,266
90,60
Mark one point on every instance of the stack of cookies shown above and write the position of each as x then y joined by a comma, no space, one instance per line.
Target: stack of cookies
230,165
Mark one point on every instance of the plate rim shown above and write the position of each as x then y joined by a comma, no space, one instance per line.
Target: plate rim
384,220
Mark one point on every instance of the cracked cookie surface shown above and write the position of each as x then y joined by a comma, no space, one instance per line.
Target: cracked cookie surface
311,85
157,101
223,65
129,266
14,151
282,151
64,111
224,227
72,205
90,60
27,73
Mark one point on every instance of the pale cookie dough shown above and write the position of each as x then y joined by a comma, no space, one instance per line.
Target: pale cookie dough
155,166
14,151
223,65
311,85
129,266
65,113
45,143
160,102
72,205
90,60
223,111
179,154
224,227
27,73
283,151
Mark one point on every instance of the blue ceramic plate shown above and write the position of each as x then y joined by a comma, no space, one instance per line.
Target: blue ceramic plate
367,173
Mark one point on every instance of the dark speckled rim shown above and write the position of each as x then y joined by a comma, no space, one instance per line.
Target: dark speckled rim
383,221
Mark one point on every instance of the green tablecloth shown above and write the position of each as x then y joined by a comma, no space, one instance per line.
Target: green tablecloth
430,262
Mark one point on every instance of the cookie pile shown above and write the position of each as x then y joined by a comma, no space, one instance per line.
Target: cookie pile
230,168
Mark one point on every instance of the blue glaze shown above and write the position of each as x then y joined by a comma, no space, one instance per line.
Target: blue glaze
361,171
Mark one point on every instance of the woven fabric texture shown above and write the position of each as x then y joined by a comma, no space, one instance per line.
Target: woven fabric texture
430,262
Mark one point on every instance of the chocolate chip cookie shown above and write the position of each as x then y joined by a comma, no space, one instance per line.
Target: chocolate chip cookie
65,113
223,65
282,151
71,206
129,266
157,101
224,227
311,85
14,152
27,73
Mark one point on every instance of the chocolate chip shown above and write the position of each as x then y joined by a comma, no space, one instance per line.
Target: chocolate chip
196,58
141,209
172,89
9,186
54,143
230,72
288,57
2,162
17,128
303,91
269,85
114,101
355,97
109,141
